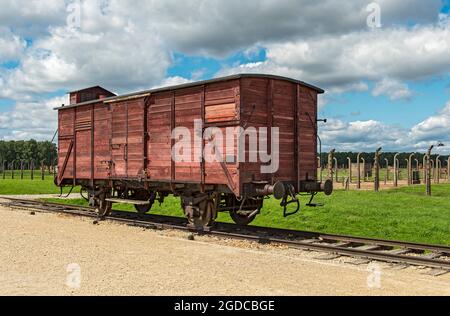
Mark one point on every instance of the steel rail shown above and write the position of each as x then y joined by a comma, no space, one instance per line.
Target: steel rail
335,244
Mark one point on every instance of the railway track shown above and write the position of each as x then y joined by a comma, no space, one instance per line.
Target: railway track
366,249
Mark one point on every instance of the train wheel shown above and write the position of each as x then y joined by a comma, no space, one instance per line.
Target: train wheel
104,207
202,215
143,209
251,207
206,216
242,220
144,196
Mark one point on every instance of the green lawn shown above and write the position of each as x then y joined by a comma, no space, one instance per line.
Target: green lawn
17,186
401,214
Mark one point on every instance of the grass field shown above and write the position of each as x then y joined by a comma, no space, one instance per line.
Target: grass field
401,214
17,186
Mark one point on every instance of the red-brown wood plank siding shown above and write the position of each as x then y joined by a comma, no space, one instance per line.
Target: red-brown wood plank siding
102,148
188,108
254,113
119,139
275,102
221,103
222,110
127,149
135,154
83,140
159,144
283,118
119,128
307,131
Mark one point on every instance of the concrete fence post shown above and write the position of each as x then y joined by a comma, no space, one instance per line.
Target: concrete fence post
396,166
417,169
433,170
386,177
358,163
349,160
364,177
377,170
336,169
330,165
428,168
410,169
364,169
438,169
424,168
448,169
407,171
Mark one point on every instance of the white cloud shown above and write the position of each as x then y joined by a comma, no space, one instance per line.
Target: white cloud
217,27
172,81
392,88
435,128
28,120
31,18
11,46
113,52
126,47
123,46
361,136
369,135
220,27
338,62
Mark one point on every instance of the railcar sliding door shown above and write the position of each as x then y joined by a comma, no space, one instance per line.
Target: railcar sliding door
127,142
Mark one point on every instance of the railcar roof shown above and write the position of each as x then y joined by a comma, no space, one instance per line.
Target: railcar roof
195,84
90,88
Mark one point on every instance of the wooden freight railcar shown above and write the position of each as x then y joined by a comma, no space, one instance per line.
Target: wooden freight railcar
122,149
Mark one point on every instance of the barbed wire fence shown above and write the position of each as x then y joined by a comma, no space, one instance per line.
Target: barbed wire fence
394,170
27,170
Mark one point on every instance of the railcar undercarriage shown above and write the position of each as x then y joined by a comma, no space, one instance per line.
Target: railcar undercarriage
201,207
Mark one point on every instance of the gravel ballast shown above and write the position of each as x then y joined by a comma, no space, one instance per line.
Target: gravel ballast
49,254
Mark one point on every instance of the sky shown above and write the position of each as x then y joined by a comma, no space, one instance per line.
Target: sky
385,64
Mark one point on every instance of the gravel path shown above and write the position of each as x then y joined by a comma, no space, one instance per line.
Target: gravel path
42,255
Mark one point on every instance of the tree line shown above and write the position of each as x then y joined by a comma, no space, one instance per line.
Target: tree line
47,152
370,158
28,150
